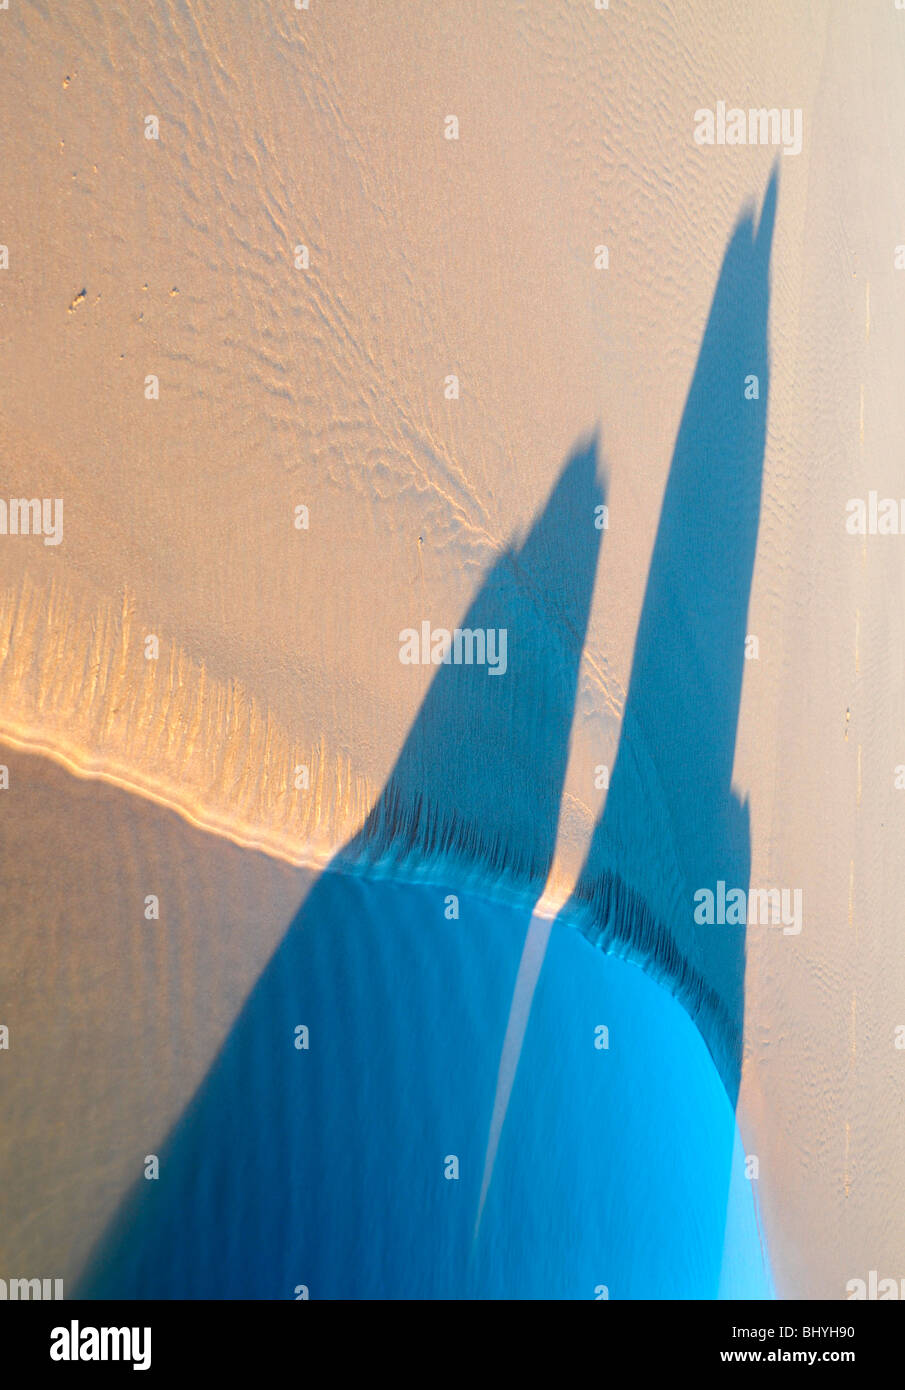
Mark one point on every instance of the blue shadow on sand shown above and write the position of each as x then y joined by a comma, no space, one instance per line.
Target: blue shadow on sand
330,1169
672,823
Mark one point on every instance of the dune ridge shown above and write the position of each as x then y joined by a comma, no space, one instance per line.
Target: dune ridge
219,758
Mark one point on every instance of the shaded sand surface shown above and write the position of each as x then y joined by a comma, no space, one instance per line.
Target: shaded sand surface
327,1166
113,1019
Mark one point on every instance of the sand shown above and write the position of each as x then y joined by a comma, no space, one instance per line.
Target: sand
325,387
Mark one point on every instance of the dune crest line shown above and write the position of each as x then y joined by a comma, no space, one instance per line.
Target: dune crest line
75,686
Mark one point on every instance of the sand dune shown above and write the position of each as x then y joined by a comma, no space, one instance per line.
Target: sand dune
327,387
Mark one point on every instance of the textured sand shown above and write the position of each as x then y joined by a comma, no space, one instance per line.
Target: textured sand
325,387
113,1018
